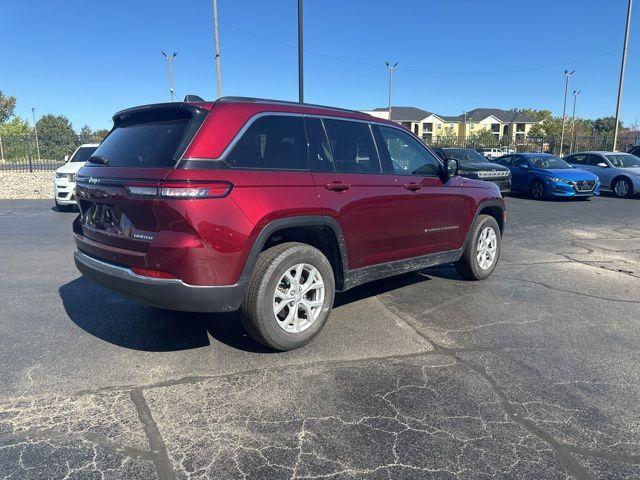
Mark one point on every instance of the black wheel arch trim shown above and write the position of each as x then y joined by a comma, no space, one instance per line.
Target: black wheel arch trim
290,222
481,206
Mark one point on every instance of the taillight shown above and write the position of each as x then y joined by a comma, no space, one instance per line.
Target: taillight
182,190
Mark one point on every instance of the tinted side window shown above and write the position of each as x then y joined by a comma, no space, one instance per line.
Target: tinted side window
408,156
578,159
273,142
352,147
595,160
321,156
519,161
506,161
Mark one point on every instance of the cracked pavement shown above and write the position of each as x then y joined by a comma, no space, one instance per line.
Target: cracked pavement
530,374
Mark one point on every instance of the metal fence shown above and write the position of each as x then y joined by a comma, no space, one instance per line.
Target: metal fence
25,153
547,144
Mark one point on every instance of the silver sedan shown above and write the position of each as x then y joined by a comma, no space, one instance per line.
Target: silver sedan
618,172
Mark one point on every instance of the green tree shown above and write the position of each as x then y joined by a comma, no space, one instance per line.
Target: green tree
57,137
98,135
85,135
604,125
7,106
16,127
485,138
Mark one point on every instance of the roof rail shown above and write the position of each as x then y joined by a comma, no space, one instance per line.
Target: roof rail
282,102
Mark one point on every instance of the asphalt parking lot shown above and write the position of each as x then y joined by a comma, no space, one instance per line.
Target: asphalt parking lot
533,373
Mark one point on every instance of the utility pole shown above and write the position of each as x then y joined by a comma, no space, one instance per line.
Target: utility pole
390,68
624,61
170,59
573,119
35,130
217,42
567,76
300,55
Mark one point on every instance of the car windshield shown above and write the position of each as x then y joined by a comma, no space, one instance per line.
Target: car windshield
83,154
623,160
548,162
464,155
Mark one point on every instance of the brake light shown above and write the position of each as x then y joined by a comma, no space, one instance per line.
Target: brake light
182,190
148,272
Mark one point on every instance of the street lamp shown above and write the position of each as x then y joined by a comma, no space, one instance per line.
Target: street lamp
217,44
573,119
624,61
390,68
567,76
170,59
35,130
300,55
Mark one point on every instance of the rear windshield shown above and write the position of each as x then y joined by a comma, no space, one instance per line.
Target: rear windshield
83,154
144,140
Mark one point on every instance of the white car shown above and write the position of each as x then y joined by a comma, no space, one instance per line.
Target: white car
64,183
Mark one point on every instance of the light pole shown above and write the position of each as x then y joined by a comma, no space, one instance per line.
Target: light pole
390,68
217,42
567,76
573,119
170,59
35,130
300,56
624,61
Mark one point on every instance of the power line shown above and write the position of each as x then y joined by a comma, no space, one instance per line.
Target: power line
430,72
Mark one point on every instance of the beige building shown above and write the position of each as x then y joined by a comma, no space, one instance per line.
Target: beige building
504,124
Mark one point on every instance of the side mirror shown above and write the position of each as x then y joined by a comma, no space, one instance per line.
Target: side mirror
602,164
452,167
66,158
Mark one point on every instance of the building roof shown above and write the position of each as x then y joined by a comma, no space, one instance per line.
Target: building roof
505,116
408,114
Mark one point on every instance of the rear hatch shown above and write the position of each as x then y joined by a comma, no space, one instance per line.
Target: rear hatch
117,188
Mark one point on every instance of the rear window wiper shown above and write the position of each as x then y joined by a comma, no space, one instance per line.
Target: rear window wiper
99,159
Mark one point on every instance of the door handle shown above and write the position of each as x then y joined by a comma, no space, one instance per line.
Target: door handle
337,186
414,187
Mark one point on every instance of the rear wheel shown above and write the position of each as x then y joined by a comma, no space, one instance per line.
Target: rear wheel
622,188
289,297
482,251
537,190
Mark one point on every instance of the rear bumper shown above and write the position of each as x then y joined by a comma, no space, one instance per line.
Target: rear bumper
169,294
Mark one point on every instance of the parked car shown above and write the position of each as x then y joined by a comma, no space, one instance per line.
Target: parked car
491,153
618,172
473,165
64,181
271,207
543,176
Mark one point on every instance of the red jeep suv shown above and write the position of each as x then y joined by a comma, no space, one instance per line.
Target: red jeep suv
271,207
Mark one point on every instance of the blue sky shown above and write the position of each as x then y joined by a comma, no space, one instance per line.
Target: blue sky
87,60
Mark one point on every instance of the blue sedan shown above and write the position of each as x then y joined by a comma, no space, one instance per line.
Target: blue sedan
545,176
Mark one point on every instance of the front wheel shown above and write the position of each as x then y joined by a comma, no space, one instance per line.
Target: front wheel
289,297
482,250
622,188
537,190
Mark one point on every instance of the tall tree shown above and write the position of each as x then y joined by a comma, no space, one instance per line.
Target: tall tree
604,125
57,137
98,135
16,127
85,135
7,106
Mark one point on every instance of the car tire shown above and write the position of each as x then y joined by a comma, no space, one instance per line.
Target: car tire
537,190
474,264
282,272
622,188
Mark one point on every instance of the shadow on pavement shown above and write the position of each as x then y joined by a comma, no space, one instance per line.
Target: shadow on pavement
120,321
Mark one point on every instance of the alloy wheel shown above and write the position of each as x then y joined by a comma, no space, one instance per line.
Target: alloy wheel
537,190
486,248
298,298
621,188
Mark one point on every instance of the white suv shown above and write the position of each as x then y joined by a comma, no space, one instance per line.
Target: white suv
64,183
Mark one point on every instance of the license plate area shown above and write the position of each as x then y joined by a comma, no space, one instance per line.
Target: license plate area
107,219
